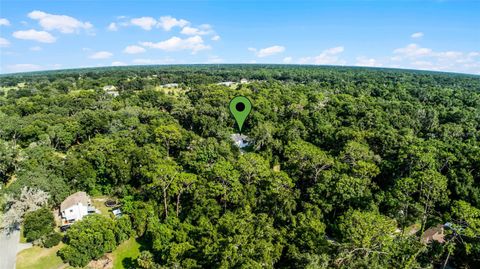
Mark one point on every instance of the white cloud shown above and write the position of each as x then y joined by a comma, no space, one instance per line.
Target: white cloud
265,52
39,36
329,57
4,42
4,22
216,38
117,63
146,23
23,67
194,43
364,61
287,60
64,24
449,55
187,30
417,35
168,22
413,50
417,57
134,49
112,27
101,55
36,48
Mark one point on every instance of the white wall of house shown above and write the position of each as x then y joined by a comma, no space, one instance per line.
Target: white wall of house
76,212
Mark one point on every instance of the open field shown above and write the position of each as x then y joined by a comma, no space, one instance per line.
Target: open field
40,258
126,254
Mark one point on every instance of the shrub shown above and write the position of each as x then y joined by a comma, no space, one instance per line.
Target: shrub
52,239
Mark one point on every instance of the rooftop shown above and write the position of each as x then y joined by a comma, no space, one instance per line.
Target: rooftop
76,198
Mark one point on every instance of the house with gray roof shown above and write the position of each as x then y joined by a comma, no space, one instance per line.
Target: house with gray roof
75,207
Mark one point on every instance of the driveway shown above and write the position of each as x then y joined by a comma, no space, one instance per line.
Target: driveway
9,247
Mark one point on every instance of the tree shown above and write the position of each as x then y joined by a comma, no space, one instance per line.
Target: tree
432,189
168,135
29,200
52,239
38,224
464,234
163,175
8,160
123,229
225,183
308,160
405,202
88,239
365,237
184,183
145,260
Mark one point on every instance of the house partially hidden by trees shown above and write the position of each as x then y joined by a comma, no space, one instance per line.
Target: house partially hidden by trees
75,207
110,89
433,234
169,85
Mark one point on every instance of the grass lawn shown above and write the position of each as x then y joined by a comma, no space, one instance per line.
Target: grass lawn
99,203
39,258
125,255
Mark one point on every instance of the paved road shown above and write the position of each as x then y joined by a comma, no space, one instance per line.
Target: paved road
9,247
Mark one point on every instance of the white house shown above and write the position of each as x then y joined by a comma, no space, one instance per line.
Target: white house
170,85
75,207
226,83
110,89
241,141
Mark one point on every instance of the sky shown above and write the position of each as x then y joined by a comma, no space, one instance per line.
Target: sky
440,35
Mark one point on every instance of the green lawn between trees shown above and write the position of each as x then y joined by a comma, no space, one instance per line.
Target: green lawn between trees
46,258
126,254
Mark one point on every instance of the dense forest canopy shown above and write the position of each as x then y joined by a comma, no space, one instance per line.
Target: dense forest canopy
346,167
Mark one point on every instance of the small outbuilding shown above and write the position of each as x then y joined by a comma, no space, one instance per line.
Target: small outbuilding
117,213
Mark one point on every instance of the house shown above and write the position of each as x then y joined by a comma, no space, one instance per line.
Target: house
433,234
75,207
244,81
226,83
241,141
170,85
110,89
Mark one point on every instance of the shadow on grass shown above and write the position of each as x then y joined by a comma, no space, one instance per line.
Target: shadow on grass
130,263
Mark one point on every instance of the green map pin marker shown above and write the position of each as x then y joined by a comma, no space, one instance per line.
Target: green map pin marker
240,107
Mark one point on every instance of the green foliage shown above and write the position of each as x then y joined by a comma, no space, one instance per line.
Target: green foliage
52,239
123,229
38,224
88,239
342,163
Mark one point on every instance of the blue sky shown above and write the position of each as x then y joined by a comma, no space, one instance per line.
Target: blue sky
431,35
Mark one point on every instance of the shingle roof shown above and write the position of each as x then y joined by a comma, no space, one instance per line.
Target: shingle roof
78,197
